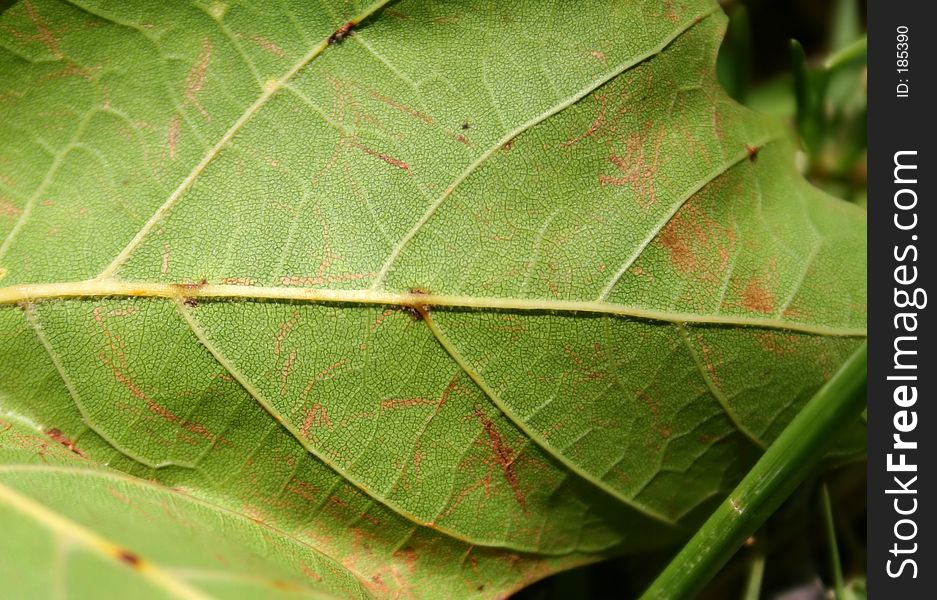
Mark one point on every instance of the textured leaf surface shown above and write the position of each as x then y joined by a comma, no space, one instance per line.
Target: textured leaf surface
75,529
482,291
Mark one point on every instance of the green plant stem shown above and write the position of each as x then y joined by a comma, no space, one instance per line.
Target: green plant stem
779,471
838,583
756,573
853,53
846,25
734,66
801,83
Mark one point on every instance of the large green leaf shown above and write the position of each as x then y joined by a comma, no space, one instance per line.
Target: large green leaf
469,294
69,524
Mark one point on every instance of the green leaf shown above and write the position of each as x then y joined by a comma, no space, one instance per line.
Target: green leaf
455,298
75,528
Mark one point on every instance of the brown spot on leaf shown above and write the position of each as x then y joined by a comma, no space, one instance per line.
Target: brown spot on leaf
341,33
370,519
757,298
284,330
395,162
113,492
238,281
71,70
651,403
382,317
308,281
395,403
391,12
752,152
503,455
638,165
172,136
309,572
284,585
401,107
45,35
709,362
777,343
303,489
57,435
316,416
670,11
268,45
595,126
129,558
447,20
195,80
286,371
164,266
8,209
409,557
326,373
698,244
329,257
187,287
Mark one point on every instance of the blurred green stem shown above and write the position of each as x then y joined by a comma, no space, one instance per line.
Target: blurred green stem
852,53
734,66
838,583
779,471
806,92
756,573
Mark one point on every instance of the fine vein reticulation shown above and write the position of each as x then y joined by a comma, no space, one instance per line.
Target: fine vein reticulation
550,292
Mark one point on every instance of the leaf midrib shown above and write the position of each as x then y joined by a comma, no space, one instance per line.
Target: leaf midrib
114,288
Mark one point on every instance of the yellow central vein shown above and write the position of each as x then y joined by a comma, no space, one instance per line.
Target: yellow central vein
107,288
269,89
68,529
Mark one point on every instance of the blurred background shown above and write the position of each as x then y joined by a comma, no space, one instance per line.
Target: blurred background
804,62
